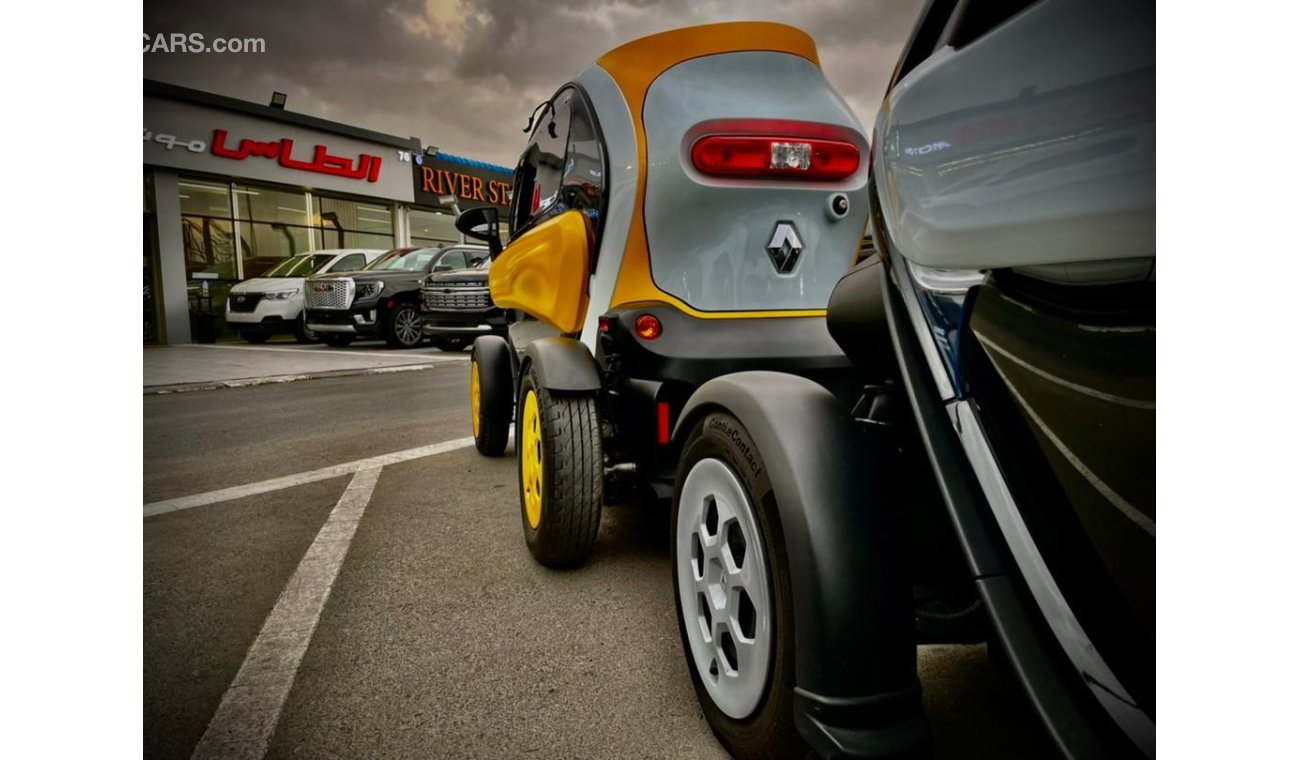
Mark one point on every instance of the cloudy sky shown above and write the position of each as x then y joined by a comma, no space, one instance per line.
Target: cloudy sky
465,74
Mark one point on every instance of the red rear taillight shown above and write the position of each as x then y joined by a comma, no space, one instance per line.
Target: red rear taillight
776,150
664,429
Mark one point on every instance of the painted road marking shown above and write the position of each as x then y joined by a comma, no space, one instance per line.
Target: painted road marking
302,478
251,707
334,353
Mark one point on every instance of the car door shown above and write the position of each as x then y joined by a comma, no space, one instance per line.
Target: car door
555,222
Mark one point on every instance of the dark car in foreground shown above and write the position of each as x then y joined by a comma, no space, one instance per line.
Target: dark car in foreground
382,300
457,307
992,477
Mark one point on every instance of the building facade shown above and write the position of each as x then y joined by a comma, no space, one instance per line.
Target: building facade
233,187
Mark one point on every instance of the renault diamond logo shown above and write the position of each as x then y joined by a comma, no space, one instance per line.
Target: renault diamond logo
785,247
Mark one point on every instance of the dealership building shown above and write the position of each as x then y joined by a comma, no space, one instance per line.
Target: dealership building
232,187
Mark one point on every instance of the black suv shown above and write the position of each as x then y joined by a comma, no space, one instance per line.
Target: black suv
457,307
381,300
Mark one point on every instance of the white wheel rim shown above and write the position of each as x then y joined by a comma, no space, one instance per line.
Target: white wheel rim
730,641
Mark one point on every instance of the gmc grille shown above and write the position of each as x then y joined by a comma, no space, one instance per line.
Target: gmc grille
329,294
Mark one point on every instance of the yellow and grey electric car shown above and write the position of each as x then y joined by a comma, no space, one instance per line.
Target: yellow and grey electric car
683,208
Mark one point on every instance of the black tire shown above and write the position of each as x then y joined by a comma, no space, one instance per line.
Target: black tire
338,340
255,336
491,360
396,334
572,474
301,332
450,343
769,731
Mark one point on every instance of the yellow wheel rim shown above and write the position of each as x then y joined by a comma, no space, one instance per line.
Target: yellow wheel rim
474,395
530,467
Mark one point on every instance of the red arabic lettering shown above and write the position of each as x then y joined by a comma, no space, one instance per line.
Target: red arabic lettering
366,166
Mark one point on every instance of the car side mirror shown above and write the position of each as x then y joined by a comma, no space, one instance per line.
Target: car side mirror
442,268
482,223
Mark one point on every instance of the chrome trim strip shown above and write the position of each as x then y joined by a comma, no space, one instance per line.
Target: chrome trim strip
956,281
1099,678
931,352
433,329
332,328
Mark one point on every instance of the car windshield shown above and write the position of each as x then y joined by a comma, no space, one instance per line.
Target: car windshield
416,260
300,265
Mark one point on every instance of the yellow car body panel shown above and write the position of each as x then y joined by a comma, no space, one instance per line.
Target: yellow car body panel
544,272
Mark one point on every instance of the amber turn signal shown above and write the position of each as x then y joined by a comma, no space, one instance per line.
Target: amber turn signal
648,326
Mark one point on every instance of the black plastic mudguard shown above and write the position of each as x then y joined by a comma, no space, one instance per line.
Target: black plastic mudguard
563,364
857,691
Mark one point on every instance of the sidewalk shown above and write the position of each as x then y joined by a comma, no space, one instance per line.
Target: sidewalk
169,369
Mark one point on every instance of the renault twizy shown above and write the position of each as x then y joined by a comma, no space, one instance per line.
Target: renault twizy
682,210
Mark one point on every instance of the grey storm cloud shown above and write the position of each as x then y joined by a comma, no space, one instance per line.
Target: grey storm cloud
465,74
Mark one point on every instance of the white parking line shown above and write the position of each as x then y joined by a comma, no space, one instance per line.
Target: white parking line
336,352
250,709
312,476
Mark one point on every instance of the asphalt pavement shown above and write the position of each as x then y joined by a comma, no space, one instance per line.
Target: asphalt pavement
191,367
440,636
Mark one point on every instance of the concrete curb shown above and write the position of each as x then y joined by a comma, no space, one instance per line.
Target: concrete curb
248,382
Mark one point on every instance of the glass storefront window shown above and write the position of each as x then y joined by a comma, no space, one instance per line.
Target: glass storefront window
209,246
332,238
429,227
265,245
353,224
204,198
352,215
262,204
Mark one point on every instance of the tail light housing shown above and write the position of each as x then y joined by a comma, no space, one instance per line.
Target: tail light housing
774,149
648,327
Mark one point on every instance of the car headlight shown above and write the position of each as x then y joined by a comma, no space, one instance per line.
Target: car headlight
369,289
281,295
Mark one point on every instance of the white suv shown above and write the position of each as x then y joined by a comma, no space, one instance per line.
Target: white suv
272,303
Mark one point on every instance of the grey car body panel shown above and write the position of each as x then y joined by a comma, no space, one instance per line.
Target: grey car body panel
1032,145
708,242
563,364
853,627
